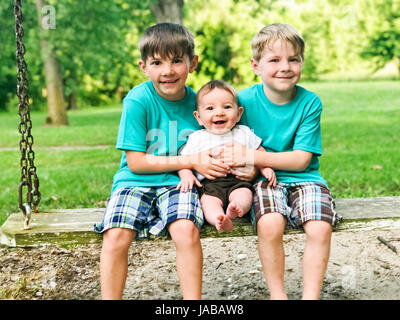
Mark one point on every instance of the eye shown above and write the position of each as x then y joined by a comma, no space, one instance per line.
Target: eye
209,108
156,62
274,60
177,60
228,106
294,60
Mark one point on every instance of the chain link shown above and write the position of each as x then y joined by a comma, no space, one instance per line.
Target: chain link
29,178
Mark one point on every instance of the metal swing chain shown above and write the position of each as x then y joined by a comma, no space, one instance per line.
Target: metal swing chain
29,178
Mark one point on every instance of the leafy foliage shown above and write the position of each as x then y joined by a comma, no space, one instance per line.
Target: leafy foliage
96,41
384,41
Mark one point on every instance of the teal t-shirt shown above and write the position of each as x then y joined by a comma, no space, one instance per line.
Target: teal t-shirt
154,125
288,127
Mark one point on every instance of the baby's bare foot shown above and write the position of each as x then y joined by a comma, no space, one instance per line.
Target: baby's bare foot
234,210
224,223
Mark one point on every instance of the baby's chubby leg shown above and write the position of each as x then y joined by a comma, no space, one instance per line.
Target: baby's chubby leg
240,201
214,213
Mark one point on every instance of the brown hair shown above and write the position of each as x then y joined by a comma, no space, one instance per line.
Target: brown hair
217,84
166,39
269,34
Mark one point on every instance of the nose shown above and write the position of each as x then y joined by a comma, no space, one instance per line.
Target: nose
284,65
168,69
220,111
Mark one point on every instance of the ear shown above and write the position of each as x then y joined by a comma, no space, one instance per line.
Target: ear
254,65
197,116
142,65
193,63
240,112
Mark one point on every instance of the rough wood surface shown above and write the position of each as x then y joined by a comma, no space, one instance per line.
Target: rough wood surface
72,226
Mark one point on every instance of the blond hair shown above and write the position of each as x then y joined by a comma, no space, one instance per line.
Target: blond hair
168,40
270,33
216,84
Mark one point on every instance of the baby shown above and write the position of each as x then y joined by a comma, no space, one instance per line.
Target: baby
222,199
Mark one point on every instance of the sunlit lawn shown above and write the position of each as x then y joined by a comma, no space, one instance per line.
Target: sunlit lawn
361,137
360,129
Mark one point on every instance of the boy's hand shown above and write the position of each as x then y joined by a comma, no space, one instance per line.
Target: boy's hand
188,180
270,175
206,164
247,173
237,155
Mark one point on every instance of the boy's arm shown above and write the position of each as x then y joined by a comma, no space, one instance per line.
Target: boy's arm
238,155
140,162
296,160
248,172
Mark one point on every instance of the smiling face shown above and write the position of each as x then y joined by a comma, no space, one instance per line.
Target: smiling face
169,74
280,70
217,111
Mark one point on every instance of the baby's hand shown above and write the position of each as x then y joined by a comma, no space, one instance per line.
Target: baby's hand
236,155
207,165
188,180
247,173
270,175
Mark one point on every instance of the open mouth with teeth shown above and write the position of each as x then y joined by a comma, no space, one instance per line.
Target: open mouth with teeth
219,122
169,81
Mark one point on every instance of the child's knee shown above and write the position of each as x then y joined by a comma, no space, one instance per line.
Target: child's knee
117,239
271,226
184,232
319,231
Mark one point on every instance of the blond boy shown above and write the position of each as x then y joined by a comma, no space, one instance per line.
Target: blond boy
292,139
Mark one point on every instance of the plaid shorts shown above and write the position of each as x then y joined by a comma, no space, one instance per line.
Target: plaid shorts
297,202
150,209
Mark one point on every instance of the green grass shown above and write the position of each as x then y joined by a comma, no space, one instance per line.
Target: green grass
88,127
361,137
68,178
360,130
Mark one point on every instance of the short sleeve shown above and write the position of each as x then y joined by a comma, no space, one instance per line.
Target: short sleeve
191,146
132,129
251,140
308,135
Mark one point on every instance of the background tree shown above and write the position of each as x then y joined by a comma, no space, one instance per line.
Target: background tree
383,44
57,113
95,42
168,10
8,79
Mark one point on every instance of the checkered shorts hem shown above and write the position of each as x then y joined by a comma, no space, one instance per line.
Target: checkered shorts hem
297,202
150,210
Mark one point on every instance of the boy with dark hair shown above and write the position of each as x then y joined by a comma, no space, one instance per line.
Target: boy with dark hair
157,116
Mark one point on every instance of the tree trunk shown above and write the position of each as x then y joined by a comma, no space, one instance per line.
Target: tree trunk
72,101
168,11
57,114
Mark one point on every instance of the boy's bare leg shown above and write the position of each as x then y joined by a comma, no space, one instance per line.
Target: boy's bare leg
189,257
240,201
114,262
270,229
214,213
315,257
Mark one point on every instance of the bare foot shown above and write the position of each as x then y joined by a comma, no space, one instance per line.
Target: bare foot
234,210
224,223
